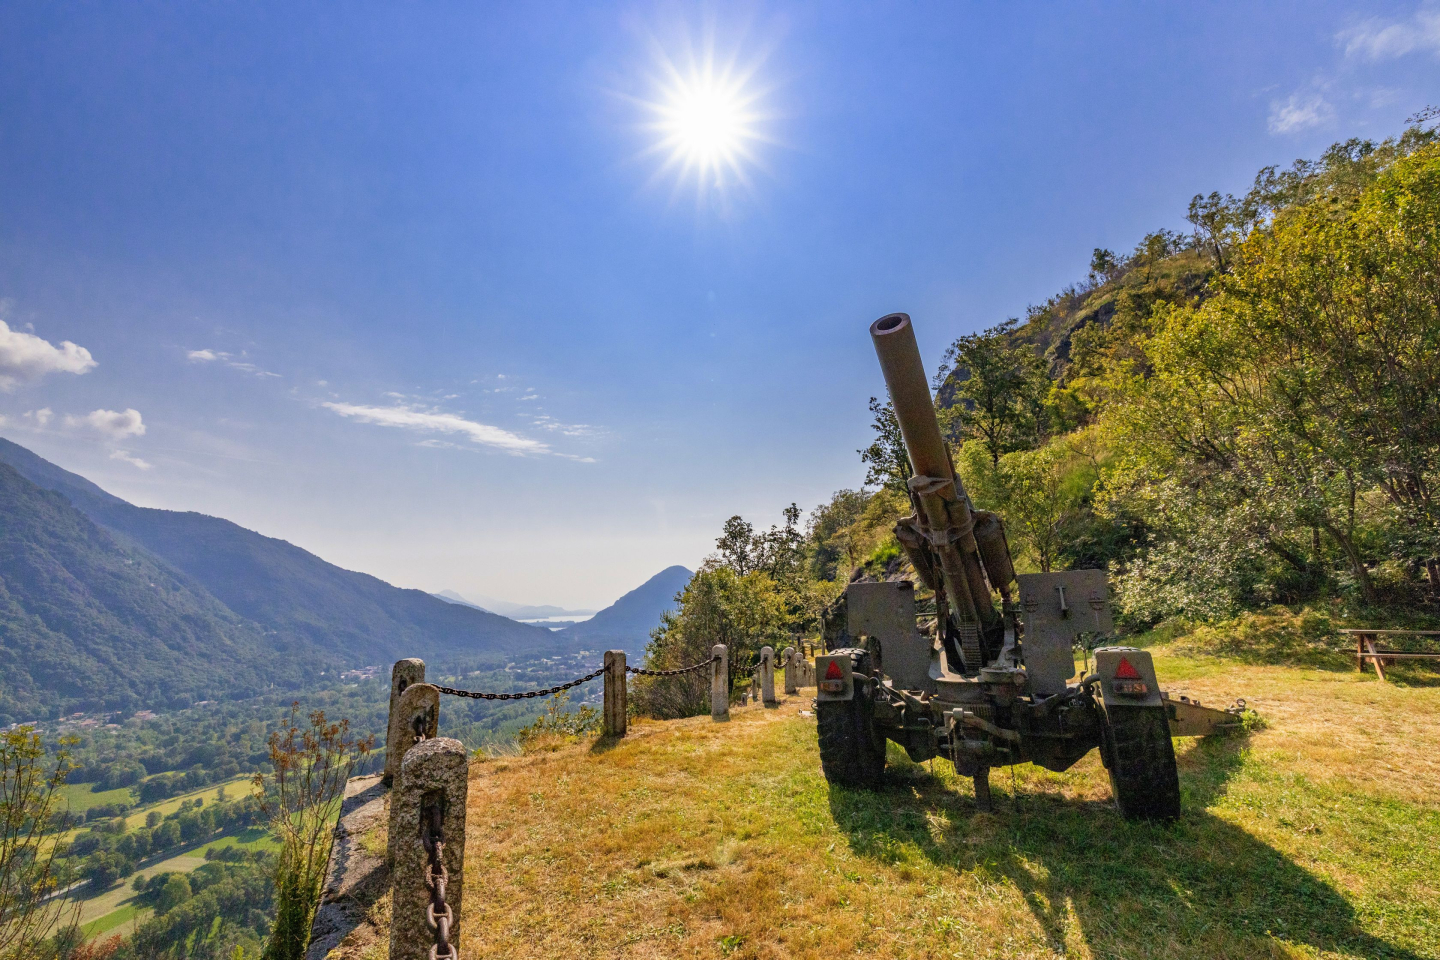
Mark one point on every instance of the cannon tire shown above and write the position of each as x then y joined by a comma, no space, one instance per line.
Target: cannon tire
1140,756
852,749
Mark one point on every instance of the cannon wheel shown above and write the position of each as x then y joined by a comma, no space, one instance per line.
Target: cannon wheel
852,749
1140,756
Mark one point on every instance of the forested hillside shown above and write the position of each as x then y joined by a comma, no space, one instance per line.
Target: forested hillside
1241,421
88,623
230,612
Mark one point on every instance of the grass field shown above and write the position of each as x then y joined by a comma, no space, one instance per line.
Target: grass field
79,797
115,907
234,788
1313,837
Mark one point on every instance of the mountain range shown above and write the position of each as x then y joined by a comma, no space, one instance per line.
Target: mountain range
515,611
105,605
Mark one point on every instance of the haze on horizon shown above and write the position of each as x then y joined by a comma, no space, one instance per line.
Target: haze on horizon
524,301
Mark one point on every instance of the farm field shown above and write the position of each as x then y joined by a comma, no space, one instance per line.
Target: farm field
1312,837
234,788
115,907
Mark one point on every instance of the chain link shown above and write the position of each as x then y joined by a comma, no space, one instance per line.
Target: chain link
438,915
521,696
671,673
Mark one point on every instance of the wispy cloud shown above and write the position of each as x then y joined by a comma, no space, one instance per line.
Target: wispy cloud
228,359
546,422
437,421
1380,39
25,358
109,424
1300,112
130,459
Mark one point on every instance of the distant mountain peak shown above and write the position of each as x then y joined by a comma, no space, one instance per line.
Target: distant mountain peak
627,622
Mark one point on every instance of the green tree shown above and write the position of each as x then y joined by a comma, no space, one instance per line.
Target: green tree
175,892
719,605
1309,379
887,464
997,389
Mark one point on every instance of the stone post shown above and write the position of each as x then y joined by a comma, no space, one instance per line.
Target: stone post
402,675
792,670
416,711
435,773
719,684
614,693
767,676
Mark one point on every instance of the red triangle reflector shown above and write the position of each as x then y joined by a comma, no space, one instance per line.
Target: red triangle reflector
1126,671
833,672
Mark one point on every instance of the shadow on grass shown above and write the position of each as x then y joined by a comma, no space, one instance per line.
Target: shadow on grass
1201,885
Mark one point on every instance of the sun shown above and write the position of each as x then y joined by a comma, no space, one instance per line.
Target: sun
708,124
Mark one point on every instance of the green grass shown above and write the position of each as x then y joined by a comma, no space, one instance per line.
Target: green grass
78,797
234,788
113,919
1313,837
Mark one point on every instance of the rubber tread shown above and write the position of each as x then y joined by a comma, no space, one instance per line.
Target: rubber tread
852,751
1141,759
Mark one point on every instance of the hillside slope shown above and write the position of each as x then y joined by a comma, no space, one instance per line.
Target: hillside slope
87,623
696,839
626,623
353,617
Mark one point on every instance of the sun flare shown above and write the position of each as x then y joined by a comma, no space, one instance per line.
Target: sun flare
707,123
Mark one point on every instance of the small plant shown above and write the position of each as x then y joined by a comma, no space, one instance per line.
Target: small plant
301,797
557,722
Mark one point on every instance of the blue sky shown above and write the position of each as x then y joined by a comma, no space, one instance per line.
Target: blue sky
412,286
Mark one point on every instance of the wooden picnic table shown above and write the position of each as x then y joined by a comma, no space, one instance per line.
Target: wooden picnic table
1366,649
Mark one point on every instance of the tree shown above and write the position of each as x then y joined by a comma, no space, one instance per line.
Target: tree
718,605
1103,266
30,785
1216,220
999,390
736,545
175,892
831,534
1039,493
887,464
1311,378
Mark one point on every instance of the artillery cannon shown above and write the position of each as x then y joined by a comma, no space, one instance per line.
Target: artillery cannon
986,685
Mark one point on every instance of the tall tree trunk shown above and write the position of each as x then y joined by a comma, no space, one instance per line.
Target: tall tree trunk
1357,565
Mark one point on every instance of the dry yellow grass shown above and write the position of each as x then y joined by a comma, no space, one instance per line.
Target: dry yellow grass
1314,837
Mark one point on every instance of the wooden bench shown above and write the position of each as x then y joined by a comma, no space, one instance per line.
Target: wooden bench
1366,648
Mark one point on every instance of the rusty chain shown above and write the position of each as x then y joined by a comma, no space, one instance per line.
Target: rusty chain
521,696
438,915
670,673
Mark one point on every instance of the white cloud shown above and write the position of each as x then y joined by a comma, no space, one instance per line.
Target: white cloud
110,424
130,459
229,359
41,417
1377,39
435,421
25,357
546,422
1300,112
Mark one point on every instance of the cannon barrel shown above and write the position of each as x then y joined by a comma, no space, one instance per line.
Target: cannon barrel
944,518
910,395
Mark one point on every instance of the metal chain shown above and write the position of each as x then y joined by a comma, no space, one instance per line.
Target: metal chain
418,725
438,915
521,696
670,673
